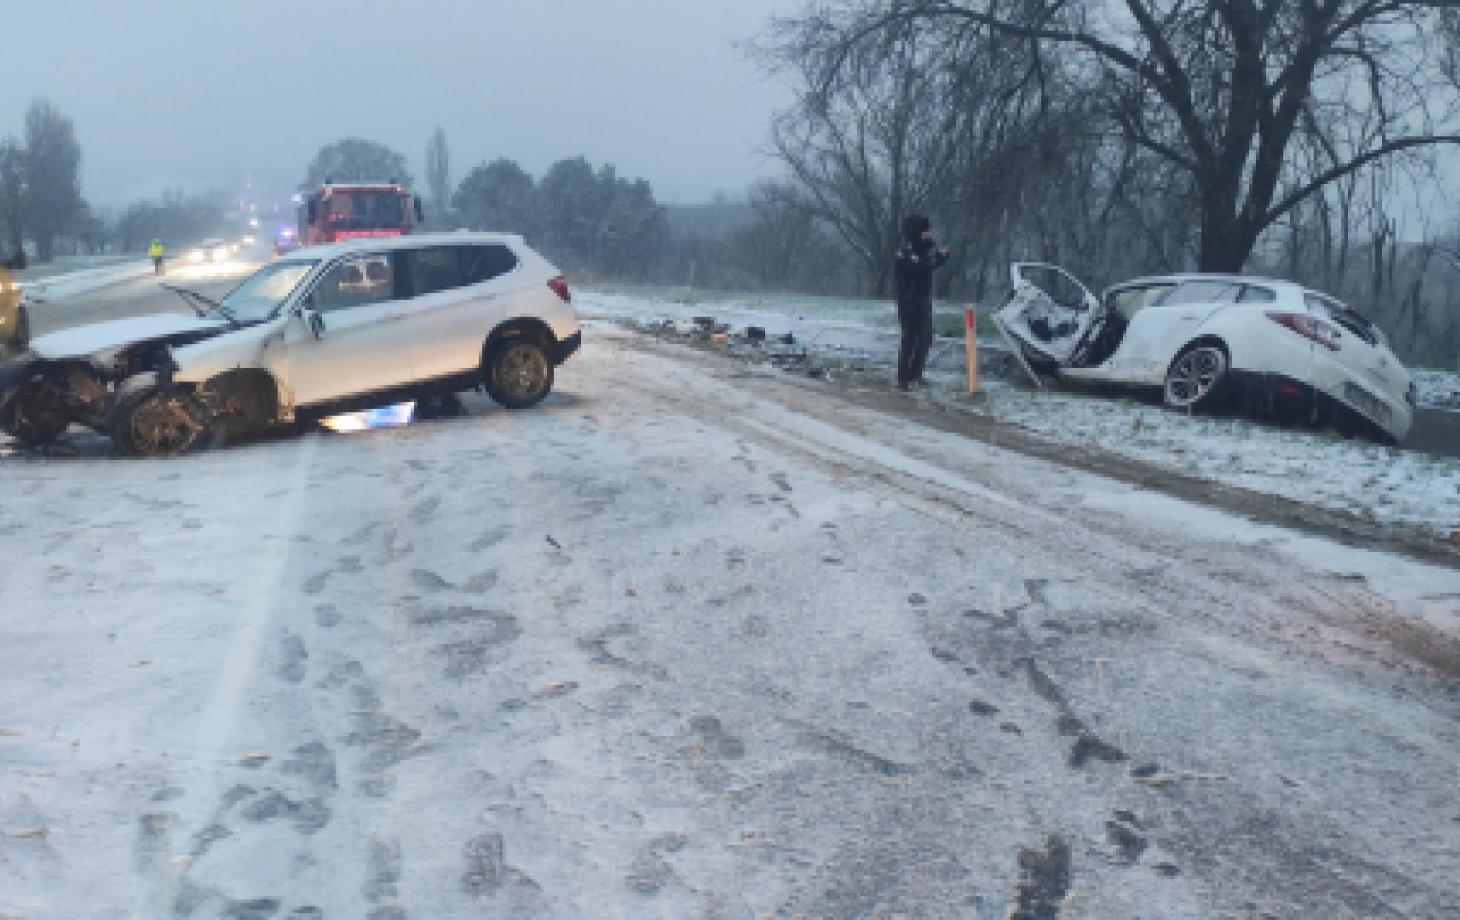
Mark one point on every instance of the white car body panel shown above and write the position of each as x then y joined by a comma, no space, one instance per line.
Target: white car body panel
1029,303
1366,377
83,341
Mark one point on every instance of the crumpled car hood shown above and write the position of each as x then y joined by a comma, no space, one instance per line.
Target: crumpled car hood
96,337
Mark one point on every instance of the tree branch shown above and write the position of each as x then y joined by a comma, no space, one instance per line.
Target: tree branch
1359,162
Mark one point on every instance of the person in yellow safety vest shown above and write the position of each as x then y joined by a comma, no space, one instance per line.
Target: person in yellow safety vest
155,251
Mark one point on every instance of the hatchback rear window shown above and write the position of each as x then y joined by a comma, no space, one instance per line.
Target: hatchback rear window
1203,292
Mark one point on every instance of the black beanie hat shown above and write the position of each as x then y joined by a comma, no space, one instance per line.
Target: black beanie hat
914,224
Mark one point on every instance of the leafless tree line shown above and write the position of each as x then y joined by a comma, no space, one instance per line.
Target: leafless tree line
1123,137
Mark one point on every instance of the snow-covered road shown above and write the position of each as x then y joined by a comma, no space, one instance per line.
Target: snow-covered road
691,640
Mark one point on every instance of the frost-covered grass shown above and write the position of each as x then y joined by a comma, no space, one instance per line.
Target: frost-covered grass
1437,388
1320,467
873,314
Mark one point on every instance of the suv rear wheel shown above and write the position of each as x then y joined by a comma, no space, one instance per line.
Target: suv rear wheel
519,372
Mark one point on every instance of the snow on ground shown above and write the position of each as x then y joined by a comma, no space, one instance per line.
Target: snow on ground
82,281
1440,389
1319,467
690,642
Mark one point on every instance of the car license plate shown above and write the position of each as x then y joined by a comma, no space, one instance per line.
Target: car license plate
1367,403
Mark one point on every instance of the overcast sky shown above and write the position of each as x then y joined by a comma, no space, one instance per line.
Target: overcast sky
198,93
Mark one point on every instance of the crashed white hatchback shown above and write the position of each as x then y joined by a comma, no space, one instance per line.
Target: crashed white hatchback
1272,348
325,330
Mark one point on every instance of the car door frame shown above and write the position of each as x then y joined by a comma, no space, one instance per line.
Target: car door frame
378,321
1013,327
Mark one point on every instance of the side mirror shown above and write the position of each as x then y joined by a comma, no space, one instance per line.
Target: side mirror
420,215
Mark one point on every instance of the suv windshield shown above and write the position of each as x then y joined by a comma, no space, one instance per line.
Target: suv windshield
259,296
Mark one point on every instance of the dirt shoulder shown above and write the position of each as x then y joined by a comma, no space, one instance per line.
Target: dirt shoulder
962,416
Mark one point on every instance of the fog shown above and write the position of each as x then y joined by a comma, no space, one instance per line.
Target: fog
193,95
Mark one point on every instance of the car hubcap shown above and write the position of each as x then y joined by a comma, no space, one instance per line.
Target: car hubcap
1193,376
163,425
522,371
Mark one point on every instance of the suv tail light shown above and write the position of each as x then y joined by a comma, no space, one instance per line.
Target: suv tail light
1325,334
560,287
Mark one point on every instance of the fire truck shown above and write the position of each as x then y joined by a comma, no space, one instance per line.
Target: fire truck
348,211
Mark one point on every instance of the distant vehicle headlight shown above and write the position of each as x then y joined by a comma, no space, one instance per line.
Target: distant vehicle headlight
220,253
197,255
249,240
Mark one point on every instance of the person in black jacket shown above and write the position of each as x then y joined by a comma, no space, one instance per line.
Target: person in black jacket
913,271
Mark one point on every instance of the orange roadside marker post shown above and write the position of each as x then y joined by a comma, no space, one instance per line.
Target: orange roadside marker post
970,339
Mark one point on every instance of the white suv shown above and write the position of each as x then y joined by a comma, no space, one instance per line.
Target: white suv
324,330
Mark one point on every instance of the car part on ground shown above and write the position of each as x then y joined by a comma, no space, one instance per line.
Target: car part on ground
332,329
1209,341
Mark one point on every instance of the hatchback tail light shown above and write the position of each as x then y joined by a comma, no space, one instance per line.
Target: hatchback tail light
560,287
1325,334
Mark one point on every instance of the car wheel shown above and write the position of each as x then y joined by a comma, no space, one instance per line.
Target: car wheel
519,373
159,422
1196,379
36,415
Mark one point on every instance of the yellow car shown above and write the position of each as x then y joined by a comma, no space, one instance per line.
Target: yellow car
14,320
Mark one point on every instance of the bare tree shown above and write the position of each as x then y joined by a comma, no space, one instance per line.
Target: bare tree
438,172
52,196
12,194
1220,89
872,141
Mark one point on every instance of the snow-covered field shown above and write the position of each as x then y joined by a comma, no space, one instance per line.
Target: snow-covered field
84,280
1440,389
1319,467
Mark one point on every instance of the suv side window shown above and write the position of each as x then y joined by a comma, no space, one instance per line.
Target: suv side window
355,282
433,269
483,263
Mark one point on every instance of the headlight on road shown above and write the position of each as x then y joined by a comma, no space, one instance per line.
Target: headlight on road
220,254
197,255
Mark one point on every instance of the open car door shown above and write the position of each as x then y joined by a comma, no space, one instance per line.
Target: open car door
1047,317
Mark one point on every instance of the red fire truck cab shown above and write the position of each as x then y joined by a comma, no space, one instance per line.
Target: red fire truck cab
348,211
